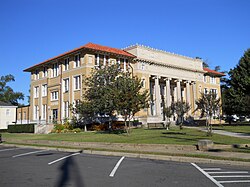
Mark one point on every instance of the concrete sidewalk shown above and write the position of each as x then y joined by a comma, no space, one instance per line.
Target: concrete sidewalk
184,153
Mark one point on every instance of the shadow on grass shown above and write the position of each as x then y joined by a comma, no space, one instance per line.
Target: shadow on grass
117,132
175,133
215,150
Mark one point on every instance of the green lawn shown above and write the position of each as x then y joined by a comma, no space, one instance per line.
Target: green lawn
236,128
148,136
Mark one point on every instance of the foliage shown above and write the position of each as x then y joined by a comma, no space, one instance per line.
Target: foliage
129,97
209,105
237,95
180,108
168,113
24,128
7,94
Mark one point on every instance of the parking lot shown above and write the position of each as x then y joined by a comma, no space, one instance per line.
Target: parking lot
40,167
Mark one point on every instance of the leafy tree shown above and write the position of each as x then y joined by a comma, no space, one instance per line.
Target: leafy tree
209,105
83,113
168,113
100,91
7,94
237,95
129,98
180,108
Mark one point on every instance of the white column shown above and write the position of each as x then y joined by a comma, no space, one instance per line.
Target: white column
98,60
194,93
125,66
167,92
104,60
157,96
188,99
178,90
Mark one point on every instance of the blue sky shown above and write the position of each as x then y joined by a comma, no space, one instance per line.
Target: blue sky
32,31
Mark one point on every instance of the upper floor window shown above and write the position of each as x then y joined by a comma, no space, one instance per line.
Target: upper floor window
66,64
77,82
66,85
97,60
55,70
36,74
36,91
142,66
45,71
212,80
205,78
77,61
54,96
44,90
7,112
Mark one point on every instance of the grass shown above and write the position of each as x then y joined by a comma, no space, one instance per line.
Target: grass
186,136
236,128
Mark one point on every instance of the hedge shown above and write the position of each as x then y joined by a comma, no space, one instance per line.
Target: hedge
24,128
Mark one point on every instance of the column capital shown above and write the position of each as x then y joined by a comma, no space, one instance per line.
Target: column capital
167,79
155,76
177,80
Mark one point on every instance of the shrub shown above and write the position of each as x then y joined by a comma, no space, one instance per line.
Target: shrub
59,128
24,128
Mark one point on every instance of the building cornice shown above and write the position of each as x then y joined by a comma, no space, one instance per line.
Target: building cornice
151,62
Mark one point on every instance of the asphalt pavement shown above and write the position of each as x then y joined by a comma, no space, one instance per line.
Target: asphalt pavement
42,167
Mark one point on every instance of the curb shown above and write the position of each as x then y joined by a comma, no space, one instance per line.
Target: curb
141,155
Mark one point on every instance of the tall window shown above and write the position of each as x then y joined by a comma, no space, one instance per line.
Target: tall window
66,85
77,61
45,71
24,116
205,90
7,112
66,64
55,70
36,91
214,91
205,78
66,109
44,111
143,83
77,82
36,112
97,60
212,80
36,74
54,96
44,90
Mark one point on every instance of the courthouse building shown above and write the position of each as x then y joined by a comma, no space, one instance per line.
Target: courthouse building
57,82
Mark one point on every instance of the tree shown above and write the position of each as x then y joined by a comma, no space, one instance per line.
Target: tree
100,91
168,113
237,95
7,94
83,113
209,105
180,108
129,97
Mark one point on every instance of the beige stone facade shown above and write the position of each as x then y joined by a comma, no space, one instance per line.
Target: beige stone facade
57,82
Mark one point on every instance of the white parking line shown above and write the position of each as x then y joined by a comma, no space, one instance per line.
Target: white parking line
29,153
207,175
211,169
112,174
221,172
241,181
63,158
231,176
2,150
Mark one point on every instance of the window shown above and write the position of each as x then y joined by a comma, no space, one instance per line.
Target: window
214,91
77,82
205,78
44,90
44,111
36,74
55,69
66,85
66,109
54,96
66,64
24,116
90,59
143,83
212,80
77,61
205,90
45,71
36,91
7,112
97,62
36,112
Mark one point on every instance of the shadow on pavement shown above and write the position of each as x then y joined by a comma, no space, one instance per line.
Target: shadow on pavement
69,174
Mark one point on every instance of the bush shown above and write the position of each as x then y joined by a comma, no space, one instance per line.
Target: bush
24,128
58,128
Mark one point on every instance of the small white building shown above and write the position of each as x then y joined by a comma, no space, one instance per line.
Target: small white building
7,114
